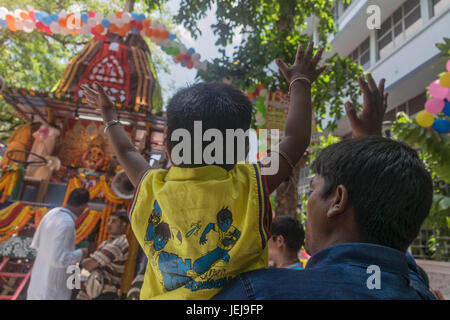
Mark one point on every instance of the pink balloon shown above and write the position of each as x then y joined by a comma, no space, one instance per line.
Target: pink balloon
434,105
437,91
448,65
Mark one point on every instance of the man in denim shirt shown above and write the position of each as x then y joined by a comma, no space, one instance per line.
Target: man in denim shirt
370,196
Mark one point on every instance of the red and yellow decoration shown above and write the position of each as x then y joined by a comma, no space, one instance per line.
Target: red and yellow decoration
7,183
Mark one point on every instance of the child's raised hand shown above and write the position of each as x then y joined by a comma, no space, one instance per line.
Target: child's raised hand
305,65
369,122
98,99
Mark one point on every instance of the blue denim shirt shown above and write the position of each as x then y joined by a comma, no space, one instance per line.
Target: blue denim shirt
337,272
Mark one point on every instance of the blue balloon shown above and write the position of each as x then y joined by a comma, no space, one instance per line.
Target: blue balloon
105,23
54,17
3,23
141,17
134,15
191,51
183,63
446,110
47,20
84,17
172,36
38,15
441,125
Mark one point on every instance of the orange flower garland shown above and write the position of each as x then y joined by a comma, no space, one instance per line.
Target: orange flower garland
87,226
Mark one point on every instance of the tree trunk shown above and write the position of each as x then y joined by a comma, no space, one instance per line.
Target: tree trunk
286,197
129,5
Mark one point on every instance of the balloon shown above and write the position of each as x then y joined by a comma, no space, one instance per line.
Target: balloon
446,109
3,23
24,15
437,91
54,17
183,64
141,17
190,64
99,17
191,51
179,57
19,24
73,21
424,119
3,12
84,17
165,34
65,31
31,14
434,105
172,36
105,23
156,33
445,80
441,125
448,65
146,23
62,22
187,57
12,25
196,57
134,15
91,14
126,17
54,27
134,30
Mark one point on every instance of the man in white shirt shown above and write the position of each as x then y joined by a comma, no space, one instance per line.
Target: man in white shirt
54,241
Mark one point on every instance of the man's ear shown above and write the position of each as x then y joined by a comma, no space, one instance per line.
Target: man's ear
280,241
339,201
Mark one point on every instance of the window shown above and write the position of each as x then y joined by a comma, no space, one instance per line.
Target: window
361,55
438,6
399,26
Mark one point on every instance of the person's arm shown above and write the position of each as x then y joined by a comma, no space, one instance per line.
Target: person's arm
298,124
129,158
89,264
64,256
370,121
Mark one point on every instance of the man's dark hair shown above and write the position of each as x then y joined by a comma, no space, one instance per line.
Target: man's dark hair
217,105
291,230
388,187
78,197
122,215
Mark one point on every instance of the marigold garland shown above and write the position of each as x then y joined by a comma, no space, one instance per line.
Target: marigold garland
87,226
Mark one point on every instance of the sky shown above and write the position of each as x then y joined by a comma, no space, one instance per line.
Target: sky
181,76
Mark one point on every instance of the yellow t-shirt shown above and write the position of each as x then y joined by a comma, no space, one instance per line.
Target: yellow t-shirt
199,228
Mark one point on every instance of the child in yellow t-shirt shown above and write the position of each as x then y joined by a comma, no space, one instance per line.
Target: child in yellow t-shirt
203,222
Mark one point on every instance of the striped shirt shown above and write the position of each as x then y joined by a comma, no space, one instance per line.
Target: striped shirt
112,255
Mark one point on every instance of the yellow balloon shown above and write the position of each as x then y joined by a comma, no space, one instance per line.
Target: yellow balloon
445,80
424,119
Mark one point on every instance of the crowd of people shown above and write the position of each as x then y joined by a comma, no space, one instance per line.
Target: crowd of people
206,228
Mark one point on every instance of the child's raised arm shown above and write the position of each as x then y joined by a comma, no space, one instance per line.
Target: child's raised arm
129,158
300,76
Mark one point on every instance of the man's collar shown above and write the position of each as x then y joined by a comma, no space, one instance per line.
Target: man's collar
364,254
73,215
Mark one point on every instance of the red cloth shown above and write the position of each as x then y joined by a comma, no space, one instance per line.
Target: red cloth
14,213
81,218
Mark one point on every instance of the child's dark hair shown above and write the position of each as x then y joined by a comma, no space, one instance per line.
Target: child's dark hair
388,187
217,105
291,230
